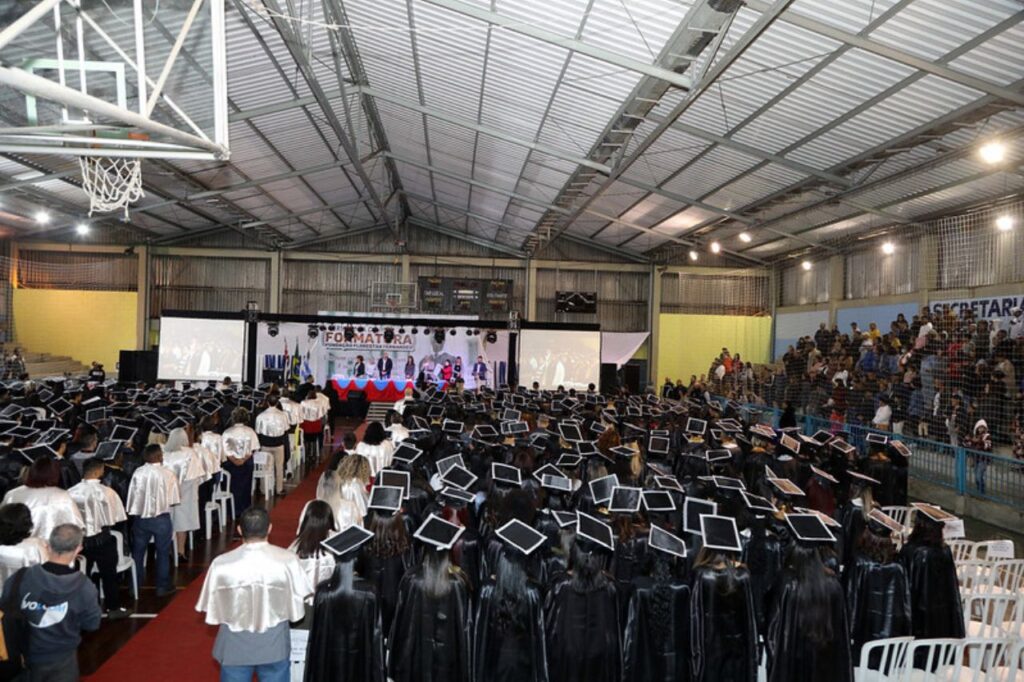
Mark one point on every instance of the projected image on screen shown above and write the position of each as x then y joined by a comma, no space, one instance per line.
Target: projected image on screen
559,358
199,349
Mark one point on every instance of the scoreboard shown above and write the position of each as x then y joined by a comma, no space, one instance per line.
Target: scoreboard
462,296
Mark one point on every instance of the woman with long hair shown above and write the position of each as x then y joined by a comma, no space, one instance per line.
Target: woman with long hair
384,560
807,637
935,606
376,447
582,618
317,525
431,635
49,505
723,628
345,490
187,465
508,641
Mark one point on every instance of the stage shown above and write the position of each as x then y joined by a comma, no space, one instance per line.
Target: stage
375,390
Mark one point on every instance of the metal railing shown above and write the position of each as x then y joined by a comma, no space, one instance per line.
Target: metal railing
968,472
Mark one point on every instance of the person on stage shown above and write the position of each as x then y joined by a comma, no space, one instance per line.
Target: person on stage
101,509
447,372
252,593
457,369
410,369
480,371
151,494
384,366
359,369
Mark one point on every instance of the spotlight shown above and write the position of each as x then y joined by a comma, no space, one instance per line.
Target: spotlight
272,329
375,330
312,331
1005,223
745,237
389,335
491,337
715,247
992,152
426,330
439,335
42,217
888,248
469,332
349,333
332,327
82,229
323,327
361,329
693,255
806,265
452,332
476,332
415,330
401,330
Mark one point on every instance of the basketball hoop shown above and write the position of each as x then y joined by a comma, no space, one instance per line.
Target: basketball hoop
392,302
111,183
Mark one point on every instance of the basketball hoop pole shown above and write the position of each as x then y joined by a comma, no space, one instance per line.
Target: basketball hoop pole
26,20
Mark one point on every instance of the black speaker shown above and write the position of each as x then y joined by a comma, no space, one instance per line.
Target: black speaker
273,376
134,366
609,378
632,377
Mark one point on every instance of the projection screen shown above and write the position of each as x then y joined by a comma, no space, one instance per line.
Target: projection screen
201,349
559,358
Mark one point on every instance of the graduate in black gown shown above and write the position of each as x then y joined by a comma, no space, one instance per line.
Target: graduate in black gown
580,613
877,591
723,629
385,559
808,638
935,605
432,632
656,635
346,643
508,641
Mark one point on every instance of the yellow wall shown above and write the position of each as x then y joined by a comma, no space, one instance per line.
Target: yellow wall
688,343
84,325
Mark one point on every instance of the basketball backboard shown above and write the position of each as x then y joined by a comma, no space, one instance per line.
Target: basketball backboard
114,78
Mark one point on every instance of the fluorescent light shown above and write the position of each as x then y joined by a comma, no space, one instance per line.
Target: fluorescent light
715,247
82,229
992,152
1005,223
806,265
745,237
693,255
42,217
888,248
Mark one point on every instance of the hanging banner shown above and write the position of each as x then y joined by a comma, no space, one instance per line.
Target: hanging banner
421,356
988,308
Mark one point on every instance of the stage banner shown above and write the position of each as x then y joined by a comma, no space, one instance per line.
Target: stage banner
988,308
291,353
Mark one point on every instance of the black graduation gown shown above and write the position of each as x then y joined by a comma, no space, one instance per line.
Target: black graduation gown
723,631
513,654
431,638
582,633
386,576
877,601
763,556
346,643
656,637
934,591
792,656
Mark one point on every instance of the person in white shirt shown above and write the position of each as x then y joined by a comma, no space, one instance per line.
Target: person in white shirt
50,506
187,465
239,442
317,525
883,415
18,547
344,489
397,429
1016,323
272,425
314,410
151,494
252,593
376,447
101,509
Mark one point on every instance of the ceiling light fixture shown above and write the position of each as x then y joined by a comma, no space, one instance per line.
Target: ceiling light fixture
888,248
992,152
82,229
715,247
745,237
1005,223
693,255
42,217
806,265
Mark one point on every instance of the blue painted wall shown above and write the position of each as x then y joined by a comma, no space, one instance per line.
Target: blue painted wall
882,315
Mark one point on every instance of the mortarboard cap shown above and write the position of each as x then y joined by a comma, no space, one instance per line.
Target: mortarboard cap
625,500
108,450
521,536
123,433
570,432
693,509
397,479
719,532
841,445
694,425
506,473
438,532
348,540
564,519
663,541
885,521
622,451
452,426
568,461
595,530
36,451
457,496
717,455
559,483
786,487
95,415
446,463
668,483
386,498
485,431
58,406
512,428
657,445
861,478
406,453
758,504
823,474
728,483
876,438
932,512
809,528
658,501
601,488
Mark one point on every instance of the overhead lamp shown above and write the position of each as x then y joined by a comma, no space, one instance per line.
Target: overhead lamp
82,229
42,217
745,237
312,331
992,152
806,265
693,255
715,247
273,329
888,248
1005,223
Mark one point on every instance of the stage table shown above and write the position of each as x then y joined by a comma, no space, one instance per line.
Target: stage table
377,390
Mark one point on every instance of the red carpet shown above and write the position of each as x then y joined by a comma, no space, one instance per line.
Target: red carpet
177,645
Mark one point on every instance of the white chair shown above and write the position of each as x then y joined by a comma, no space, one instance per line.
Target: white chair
975,576
937,657
963,550
1013,664
890,658
1008,576
977,656
211,508
124,563
174,549
981,550
992,615
263,471
900,515
222,496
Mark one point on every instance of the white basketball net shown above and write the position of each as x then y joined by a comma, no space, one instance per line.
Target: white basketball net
111,183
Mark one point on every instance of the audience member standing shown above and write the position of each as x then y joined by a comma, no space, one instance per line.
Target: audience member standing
239,442
272,426
151,494
50,506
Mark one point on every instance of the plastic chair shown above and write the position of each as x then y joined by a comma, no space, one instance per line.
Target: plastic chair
1013,668
1008,576
982,548
980,654
975,576
211,508
992,615
263,471
890,656
222,496
900,515
963,550
124,563
937,658
174,549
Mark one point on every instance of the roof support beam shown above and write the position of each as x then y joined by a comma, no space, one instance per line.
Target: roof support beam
892,53
543,35
324,238
455,234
